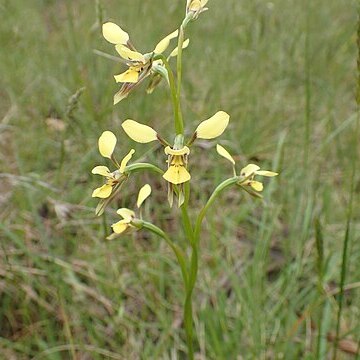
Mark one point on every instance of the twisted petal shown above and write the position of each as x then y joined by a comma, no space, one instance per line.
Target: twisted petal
128,54
176,50
101,170
144,193
139,132
164,43
102,192
114,34
249,170
125,160
224,153
256,185
107,142
120,226
266,173
126,214
213,127
176,174
129,76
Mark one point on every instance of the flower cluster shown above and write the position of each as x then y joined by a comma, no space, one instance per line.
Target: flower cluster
140,66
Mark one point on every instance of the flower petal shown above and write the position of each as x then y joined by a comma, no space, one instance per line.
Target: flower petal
126,214
256,185
125,160
120,226
266,173
102,192
101,170
224,153
114,34
177,175
176,50
128,54
183,151
139,132
249,170
144,193
214,126
129,76
164,43
107,142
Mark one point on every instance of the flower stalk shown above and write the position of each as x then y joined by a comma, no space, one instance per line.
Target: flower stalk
156,66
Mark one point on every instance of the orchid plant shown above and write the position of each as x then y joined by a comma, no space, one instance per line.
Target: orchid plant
176,174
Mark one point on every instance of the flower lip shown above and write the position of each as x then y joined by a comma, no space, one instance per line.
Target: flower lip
183,151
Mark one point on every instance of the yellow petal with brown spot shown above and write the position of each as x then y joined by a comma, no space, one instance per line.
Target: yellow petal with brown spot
249,170
128,54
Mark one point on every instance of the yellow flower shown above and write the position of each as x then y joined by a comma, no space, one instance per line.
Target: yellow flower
125,224
248,173
195,7
139,65
113,180
177,173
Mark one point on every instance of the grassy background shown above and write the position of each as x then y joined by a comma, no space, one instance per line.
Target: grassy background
285,71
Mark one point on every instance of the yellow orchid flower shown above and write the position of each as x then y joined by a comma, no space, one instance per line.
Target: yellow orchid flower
248,173
139,65
124,225
177,173
113,180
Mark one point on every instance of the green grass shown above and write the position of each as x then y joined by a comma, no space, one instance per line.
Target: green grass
65,292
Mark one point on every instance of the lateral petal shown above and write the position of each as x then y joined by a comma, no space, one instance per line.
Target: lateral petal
224,153
164,43
139,132
144,193
114,34
107,142
213,127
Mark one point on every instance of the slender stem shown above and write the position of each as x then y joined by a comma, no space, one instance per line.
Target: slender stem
194,264
180,256
189,231
179,68
179,126
221,187
143,166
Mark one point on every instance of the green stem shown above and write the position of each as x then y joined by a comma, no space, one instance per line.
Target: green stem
179,125
180,256
143,166
220,188
179,67
194,263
